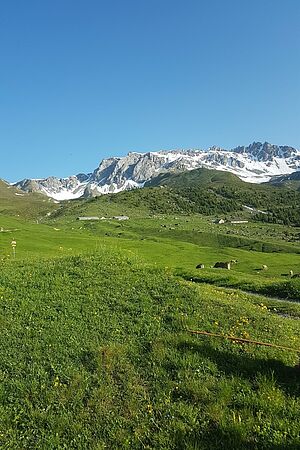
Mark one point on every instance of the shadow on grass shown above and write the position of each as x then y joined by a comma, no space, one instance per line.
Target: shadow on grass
285,289
247,367
216,439
212,439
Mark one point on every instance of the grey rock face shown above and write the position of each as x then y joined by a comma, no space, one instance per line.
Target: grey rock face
224,159
28,185
257,162
52,186
266,151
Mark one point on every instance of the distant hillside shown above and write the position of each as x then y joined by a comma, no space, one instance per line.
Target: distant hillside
277,201
291,181
198,177
15,202
199,191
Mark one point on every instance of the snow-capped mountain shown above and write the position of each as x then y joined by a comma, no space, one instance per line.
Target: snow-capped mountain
256,163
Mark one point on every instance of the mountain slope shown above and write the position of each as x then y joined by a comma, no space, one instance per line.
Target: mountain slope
200,191
256,163
15,202
292,181
203,177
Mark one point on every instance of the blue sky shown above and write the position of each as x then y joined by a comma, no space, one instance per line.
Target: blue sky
81,80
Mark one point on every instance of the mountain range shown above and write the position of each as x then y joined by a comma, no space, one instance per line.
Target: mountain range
256,163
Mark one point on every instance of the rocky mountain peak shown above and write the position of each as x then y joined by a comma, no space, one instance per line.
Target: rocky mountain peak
266,151
257,162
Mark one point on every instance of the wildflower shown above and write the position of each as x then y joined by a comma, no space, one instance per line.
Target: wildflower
56,382
150,409
245,335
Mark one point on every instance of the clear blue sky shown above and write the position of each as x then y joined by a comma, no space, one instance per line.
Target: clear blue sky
81,80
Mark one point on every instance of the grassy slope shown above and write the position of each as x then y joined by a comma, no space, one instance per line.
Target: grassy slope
16,203
161,242
94,354
180,243
214,191
40,240
203,177
199,191
183,242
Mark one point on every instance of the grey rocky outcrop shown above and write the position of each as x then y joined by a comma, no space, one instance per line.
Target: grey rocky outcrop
257,163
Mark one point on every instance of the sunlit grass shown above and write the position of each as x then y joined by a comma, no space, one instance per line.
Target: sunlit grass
95,354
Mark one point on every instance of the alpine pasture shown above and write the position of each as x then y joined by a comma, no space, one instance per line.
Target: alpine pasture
95,316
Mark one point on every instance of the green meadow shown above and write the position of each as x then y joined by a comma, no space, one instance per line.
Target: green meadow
96,351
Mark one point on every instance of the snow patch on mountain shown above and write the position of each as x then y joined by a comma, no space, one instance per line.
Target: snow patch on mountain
256,163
